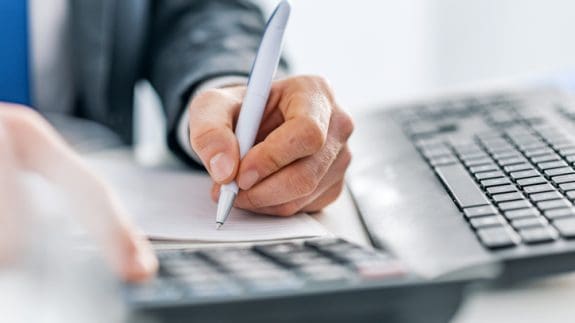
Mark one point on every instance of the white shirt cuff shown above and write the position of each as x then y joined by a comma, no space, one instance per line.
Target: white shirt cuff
183,125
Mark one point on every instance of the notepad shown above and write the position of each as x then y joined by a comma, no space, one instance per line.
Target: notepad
175,205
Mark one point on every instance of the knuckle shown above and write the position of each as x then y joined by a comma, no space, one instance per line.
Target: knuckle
312,137
202,137
346,157
22,122
339,189
287,209
323,82
22,117
207,96
345,124
253,200
271,162
305,182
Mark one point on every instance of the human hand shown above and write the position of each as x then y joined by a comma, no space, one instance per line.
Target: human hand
29,143
300,156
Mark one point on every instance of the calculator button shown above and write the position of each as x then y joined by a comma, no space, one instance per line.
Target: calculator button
496,237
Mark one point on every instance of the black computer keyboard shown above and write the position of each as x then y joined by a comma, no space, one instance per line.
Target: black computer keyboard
509,170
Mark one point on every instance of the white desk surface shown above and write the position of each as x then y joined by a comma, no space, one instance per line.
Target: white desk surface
547,300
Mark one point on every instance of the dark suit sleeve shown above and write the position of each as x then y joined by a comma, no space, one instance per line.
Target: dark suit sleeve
193,41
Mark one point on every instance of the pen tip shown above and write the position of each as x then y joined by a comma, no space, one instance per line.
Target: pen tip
219,225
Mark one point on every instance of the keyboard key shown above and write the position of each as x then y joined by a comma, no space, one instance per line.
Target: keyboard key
473,155
501,189
552,164
483,168
497,145
445,160
495,182
538,152
524,174
468,147
424,143
461,185
506,206
511,161
422,129
521,213
570,158
496,237
477,162
545,158
555,204
522,223
567,186
553,195
537,235
531,181
476,211
562,143
436,152
563,179
566,227
570,195
559,171
559,213
538,188
567,151
489,175
535,147
518,167
486,221
506,154
507,197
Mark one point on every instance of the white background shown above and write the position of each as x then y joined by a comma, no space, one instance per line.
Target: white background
374,51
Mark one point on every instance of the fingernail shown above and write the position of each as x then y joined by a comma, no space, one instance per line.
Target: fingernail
248,179
221,167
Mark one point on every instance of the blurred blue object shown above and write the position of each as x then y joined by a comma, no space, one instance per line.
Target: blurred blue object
14,55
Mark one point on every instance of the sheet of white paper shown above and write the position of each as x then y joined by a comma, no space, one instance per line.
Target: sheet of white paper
176,205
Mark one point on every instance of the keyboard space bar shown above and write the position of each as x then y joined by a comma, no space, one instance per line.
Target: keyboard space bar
461,185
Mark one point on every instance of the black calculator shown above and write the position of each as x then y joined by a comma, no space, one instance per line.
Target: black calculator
318,280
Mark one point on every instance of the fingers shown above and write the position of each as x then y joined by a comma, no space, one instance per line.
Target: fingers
307,114
126,248
40,149
323,195
325,199
212,118
301,178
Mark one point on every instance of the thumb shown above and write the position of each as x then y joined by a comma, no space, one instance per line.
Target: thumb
212,114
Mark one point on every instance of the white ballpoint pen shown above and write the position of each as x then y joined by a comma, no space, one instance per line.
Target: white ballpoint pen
257,93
